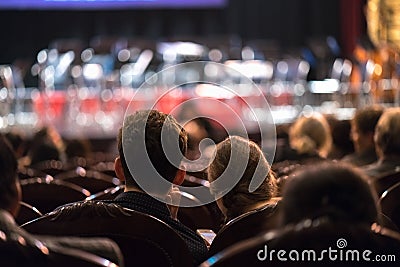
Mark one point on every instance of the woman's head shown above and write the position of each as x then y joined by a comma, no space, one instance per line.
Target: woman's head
239,159
309,135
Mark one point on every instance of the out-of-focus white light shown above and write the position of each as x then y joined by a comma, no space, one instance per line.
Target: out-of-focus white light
124,55
282,67
76,71
247,53
42,56
215,55
52,55
327,86
92,71
209,90
87,54
3,94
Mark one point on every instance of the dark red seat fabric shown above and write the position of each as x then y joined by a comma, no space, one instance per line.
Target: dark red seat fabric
245,226
308,240
143,239
47,194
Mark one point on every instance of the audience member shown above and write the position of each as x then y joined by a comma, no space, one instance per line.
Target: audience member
333,190
341,141
229,156
197,130
147,127
310,140
10,197
362,133
46,145
387,144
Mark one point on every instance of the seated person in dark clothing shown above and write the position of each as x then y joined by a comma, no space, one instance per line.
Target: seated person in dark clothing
387,143
310,139
334,190
10,197
362,133
143,143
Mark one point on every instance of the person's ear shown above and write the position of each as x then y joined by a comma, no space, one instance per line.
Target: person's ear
119,170
180,176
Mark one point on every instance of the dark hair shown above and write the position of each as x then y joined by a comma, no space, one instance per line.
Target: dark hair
335,190
366,119
148,126
238,200
8,174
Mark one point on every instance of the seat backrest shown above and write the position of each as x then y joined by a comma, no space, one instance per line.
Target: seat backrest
144,240
385,181
26,173
16,251
27,213
390,204
245,226
107,194
67,257
308,243
91,180
50,167
47,194
196,215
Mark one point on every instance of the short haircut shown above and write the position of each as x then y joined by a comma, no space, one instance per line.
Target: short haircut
387,132
366,119
149,126
8,174
239,198
334,190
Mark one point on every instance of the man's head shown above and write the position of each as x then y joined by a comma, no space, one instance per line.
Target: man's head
151,145
332,190
387,133
10,191
363,127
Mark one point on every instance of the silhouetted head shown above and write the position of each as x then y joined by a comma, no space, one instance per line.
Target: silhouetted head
387,133
334,190
140,140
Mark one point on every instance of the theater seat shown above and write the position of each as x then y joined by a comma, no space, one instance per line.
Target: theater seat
15,251
46,194
196,215
245,226
27,213
91,180
144,240
390,204
311,238
385,181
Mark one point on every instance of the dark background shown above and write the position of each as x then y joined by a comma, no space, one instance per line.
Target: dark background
289,23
